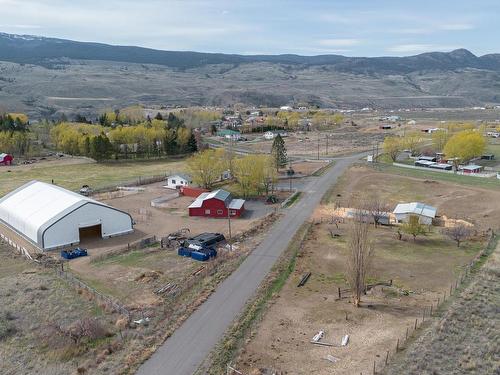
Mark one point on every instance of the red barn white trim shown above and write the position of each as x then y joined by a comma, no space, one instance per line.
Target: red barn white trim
216,204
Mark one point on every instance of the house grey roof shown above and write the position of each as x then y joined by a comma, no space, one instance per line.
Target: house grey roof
415,208
181,175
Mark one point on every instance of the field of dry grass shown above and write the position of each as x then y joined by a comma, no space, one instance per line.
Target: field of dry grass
421,272
465,340
73,176
33,302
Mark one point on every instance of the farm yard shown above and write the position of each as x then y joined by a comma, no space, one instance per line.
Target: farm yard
132,276
411,275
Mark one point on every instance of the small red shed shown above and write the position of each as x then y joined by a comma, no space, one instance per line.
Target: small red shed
216,204
6,159
190,191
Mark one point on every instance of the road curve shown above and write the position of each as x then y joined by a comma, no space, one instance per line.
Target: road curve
185,350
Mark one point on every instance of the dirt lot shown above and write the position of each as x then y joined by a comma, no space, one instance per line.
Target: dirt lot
466,339
474,204
421,271
340,140
31,300
306,168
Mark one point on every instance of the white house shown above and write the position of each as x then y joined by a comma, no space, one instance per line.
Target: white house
425,213
286,108
177,180
50,217
272,134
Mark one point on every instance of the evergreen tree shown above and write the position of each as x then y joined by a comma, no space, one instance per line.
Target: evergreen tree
192,145
100,147
174,122
278,152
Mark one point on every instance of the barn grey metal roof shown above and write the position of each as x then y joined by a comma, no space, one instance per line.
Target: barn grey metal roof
219,194
416,208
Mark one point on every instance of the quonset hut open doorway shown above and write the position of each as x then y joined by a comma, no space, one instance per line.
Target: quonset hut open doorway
90,234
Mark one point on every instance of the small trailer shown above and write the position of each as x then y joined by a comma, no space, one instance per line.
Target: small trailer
75,253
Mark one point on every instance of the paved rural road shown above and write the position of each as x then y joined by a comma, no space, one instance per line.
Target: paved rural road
193,341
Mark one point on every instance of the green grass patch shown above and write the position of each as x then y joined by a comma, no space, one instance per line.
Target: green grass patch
294,198
321,171
488,250
254,310
97,175
489,183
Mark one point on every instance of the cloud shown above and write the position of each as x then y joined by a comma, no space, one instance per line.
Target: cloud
419,48
20,26
457,27
339,42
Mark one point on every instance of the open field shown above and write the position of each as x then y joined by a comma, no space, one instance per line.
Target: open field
97,175
421,271
488,183
32,301
472,203
341,139
465,340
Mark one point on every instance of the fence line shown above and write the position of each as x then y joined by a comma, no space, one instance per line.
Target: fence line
146,180
69,278
429,311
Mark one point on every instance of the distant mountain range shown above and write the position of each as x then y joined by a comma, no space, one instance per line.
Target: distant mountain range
36,50
450,79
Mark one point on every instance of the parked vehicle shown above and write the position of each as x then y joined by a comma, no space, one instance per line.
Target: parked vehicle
86,190
74,253
205,239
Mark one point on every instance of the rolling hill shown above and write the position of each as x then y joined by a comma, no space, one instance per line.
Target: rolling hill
46,76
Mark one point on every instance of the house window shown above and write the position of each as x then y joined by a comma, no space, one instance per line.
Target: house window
173,181
207,212
219,212
232,212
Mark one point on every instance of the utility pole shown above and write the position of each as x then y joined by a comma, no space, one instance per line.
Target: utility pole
318,145
229,225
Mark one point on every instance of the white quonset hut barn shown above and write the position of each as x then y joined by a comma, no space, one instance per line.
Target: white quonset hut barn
51,217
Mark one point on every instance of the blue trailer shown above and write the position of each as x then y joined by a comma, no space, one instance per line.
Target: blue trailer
75,253
184,252
198,253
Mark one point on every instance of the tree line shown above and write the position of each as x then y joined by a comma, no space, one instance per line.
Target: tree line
14,137
461,146
152,138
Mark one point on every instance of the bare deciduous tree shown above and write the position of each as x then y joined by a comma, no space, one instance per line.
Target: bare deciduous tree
458,233
377,207
359,258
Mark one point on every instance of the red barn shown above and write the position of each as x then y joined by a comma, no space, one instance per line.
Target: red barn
6,159
216,204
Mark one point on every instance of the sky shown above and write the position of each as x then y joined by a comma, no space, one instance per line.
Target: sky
306,27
